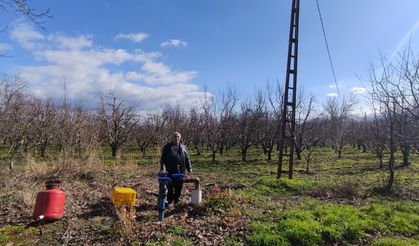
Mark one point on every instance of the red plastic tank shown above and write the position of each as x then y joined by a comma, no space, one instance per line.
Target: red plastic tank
50,202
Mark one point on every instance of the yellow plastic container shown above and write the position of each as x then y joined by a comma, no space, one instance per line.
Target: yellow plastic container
123,197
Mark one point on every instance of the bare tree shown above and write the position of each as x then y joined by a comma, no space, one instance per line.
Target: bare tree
270,120
211,127
147,131
82,130
396,81
63,127
117,121
196,127
377,137
227,103
22,8
176,121
304,109
310,141
389,109
268,132
44,127
404,134
389,113
337,114
246,124
401,81
18,112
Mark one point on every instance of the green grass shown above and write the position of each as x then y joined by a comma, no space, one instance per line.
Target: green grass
181,242
395,242
264,235
219,202
307,221
231,241
316,223
334,204
176,230
19,235
269,185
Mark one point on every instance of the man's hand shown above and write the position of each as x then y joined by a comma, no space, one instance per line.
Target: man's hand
162,171
189,175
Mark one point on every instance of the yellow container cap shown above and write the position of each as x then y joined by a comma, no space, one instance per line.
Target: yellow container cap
123,190
123,196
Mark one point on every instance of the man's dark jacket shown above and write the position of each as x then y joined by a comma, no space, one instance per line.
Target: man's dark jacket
175,160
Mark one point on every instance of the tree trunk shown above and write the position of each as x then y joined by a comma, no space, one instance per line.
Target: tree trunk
270,149
390,168
269,155
143,151
381,162
307,164
222,150
298,151
213,155
198,152
265,150
244,153
405,152
379,155
114,150
391,159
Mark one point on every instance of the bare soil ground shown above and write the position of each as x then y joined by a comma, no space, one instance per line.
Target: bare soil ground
90,217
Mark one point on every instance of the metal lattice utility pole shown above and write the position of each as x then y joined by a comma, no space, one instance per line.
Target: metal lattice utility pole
287,137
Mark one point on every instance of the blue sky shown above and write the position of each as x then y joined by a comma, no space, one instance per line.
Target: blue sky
169,51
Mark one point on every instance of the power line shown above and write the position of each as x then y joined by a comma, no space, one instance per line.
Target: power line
327,47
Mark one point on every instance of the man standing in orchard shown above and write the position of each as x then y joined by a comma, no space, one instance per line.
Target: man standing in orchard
175,159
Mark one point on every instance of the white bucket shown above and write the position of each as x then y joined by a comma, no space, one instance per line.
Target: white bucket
196,196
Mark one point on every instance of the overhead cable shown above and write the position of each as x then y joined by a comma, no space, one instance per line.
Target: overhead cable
327,47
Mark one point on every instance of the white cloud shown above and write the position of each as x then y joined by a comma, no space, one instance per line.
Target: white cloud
88,69
332,95
5,47
156,68
159,73
134,76
174,43
72,43
358,90
135,37
26,36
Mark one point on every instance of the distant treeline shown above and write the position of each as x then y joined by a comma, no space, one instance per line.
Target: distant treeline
223,121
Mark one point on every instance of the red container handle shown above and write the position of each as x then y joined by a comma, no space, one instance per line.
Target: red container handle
52,184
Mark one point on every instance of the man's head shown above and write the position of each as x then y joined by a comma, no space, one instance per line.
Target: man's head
176,138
